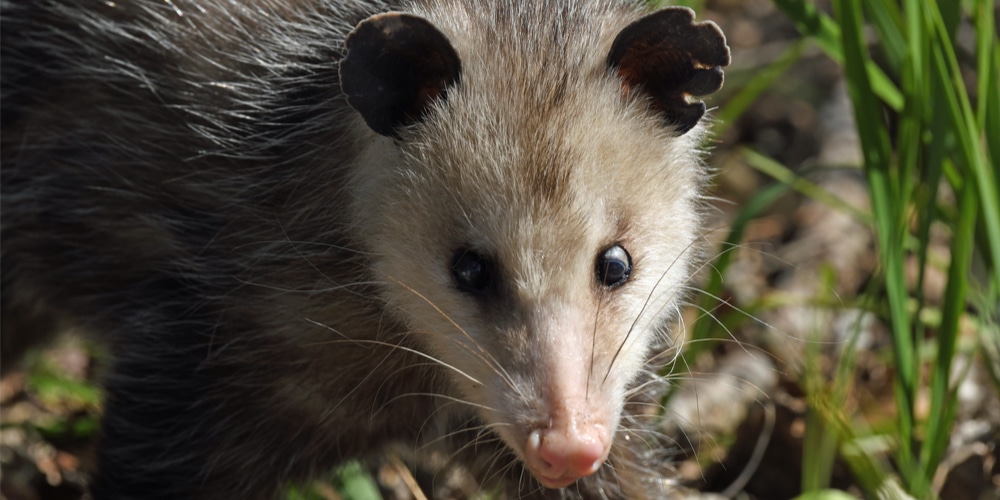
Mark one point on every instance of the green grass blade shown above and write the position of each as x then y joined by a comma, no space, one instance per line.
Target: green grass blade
942,397
987,64
825,403
887,211
972,150
779,172
988,115
909,141
819,449
818,25
887,20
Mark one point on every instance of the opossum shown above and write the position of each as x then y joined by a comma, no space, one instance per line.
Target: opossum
310,228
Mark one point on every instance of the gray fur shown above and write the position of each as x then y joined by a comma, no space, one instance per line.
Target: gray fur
185,180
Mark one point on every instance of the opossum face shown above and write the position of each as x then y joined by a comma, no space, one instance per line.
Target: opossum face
534,224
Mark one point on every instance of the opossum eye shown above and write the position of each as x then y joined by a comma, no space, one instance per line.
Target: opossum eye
472,272
614,266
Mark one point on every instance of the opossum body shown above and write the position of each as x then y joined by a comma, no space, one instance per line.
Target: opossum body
310,228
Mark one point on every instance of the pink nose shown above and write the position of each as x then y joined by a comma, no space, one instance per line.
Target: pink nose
561,455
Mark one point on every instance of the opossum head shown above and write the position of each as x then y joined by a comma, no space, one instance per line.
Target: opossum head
531,203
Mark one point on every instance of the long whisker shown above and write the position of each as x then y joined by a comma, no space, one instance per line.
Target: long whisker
673,295
441,396
482,430
720,323
400,369
645,304
335,288
499,471
695,272
593,347
736,308
301,255
321,244
393,346
482,354
757,456
371,373
484,435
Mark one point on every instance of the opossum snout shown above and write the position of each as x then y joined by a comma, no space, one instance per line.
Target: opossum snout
566,451
569,435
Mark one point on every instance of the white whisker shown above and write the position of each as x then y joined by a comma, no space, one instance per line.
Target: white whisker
394,346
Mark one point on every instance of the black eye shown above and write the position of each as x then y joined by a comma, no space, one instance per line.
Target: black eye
614,266
472,272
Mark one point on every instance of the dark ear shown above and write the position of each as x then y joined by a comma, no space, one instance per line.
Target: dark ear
670,57
396,65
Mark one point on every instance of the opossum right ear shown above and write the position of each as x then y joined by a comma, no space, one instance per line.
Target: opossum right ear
396,66
670,58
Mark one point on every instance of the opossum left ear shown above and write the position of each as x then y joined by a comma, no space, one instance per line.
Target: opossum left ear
670,58
396,66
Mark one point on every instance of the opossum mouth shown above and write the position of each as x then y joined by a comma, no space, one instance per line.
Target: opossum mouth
556,482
